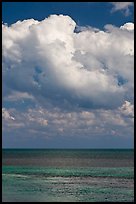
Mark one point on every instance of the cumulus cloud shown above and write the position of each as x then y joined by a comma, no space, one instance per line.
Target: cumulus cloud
50,62
128,26
119,6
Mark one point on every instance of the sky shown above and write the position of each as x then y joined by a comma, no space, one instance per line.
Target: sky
67,75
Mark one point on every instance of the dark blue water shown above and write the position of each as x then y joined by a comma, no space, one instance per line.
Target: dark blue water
68,175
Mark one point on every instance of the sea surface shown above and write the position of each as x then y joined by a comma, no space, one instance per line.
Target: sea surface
70,175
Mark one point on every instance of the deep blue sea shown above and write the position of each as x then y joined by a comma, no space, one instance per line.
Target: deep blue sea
70,175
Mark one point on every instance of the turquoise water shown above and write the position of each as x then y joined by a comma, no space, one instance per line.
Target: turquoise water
67,176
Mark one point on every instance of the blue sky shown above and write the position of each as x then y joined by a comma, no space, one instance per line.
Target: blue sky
84,13
63,88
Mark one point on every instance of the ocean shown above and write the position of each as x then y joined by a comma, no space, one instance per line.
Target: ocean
67,175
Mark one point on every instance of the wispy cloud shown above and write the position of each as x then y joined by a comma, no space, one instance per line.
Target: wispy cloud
122,6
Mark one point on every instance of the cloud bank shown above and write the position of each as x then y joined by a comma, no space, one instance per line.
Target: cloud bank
55,122
79,79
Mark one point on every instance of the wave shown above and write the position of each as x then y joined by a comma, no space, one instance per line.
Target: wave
24,172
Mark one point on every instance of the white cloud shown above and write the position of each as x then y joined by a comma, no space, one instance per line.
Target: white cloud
47,60
78,83
128,26
118,6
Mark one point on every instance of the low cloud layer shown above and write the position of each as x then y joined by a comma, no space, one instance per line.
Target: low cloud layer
50,123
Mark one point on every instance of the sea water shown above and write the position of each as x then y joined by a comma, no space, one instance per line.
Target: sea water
70,175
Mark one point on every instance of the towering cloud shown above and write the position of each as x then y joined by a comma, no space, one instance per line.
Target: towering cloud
51,61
